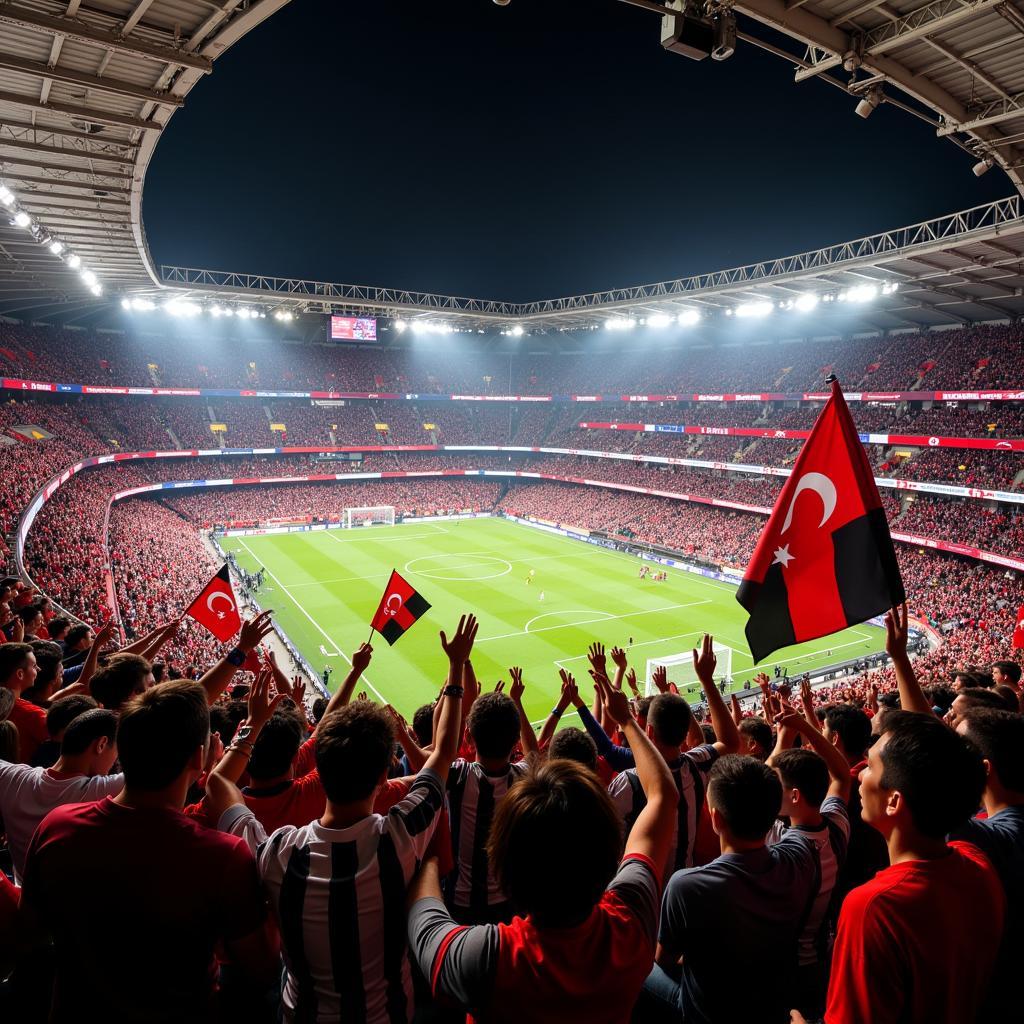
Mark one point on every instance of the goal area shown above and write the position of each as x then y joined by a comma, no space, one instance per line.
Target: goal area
680,669
369,515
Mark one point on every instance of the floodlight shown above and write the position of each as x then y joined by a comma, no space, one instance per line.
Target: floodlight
400,326
178,308
143,305
88,277
619,323
96,289
6,196
56,248
755,309
125,304
983,166
659,320
74,262
517,331
862,293
868,102
806,302
689,317
22,219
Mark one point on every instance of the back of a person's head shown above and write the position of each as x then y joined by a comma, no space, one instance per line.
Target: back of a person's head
58,626
76,634
643,706
851,725
574,745
160,731
494,725
999,737
12,657
936,772
225,718
803,769
277,744
86,728
354,746
1011,701
669,718
976,697
940,695
423,723
63,711
747,795
760,732
124,676
319,709
1010,669
9,741
557,814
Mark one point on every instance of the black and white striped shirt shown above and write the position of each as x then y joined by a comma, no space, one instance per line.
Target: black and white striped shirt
690,773
339,897
473,797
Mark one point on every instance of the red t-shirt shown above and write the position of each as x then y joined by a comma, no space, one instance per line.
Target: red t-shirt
31,722
135,901
917,944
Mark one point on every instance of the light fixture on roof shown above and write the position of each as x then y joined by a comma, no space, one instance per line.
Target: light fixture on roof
517,331
74,262
56,248
869,101
755,309
983,166
659,320
400,326
126,304
177,307
22,219
282,314
89,277
619,323
861,293
689,317
6,196
143,305
96,289
806,302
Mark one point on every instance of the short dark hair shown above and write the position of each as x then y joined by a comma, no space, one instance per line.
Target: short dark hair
851,725
746,793
1010,669
975,697
277,745
88,727
48,663
159,731
709,733
354,746
574,745
494,725
63,711
9,741
940,695
12,657
226,717
557,805
57,625
999,737
937,772
423,723
319,708
669,718
643,706
1011,701
119,679
758,730
76,634
804,770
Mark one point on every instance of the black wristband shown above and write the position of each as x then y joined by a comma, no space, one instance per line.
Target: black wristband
236,656
453,691
557,712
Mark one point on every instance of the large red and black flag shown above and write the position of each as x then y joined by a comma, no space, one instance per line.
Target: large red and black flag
825,560
216,608
399,608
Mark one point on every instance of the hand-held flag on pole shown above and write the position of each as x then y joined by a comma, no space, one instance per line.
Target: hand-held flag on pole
825,560
1018,632
399,608
216,609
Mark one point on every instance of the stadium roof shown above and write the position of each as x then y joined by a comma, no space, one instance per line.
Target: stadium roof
85,91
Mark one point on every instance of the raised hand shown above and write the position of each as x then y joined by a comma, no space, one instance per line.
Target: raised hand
615,701
705,661
363,695
570,694
806,694
255,630
18,630
896,631
261,703
596,657
763,681
631,683
517,687
460,646
660,678
499,686
737,711
618,656
361,658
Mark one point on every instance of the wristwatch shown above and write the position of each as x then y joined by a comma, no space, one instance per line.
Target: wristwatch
236,656
243,734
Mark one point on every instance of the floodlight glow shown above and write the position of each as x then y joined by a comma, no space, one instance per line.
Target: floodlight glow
6,196
659,320
74,262
619,323
755,309
689,317
517,331
400,326
22,219
805,303
862,293
96,289
89,277
143,305
125,304
56,248
178,308
282,314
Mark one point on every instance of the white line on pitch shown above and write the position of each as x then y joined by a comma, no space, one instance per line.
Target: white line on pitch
294,600
399,537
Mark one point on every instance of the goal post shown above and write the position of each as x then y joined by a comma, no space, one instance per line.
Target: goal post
680,669
369,515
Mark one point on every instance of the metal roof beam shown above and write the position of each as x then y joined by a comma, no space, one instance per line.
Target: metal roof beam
75,28
73,110
14,124
74,186
78,154
6,161
993,113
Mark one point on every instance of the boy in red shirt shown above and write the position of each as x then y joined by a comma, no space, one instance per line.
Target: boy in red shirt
918,943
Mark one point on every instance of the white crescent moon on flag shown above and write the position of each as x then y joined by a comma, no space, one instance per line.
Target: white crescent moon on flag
823,487
387,603
213,597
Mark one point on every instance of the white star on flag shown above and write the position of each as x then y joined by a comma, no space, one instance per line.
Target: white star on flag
782,556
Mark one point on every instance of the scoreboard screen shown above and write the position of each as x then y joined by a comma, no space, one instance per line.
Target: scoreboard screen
352,328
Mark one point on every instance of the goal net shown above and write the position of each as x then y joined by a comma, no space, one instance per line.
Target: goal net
371,515
680,671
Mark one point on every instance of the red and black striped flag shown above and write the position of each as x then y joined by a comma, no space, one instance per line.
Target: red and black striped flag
825,560
399,608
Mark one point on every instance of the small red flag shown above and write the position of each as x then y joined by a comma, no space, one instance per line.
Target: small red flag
1018,632
825,560
215,608
252,662
399,608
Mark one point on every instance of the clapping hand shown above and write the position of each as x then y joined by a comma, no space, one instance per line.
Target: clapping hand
460,646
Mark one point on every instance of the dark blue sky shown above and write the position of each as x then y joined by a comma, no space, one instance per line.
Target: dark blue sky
539,149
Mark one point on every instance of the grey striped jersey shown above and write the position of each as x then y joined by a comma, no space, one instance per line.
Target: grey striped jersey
339,898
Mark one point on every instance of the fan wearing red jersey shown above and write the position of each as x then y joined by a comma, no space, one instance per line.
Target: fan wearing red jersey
585,940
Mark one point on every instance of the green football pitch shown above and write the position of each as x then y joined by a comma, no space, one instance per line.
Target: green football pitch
324,588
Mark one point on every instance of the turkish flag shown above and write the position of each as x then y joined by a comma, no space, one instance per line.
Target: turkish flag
825,560
399,608
216,609
1018,632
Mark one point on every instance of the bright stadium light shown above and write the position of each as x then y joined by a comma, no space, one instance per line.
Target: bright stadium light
96,289
74,262
517,331
806,302
6,196
282,314
56,248
176,307
861,293
89,277
689,317
22,219
619,323
870,100
400,326
755,309
143,305
125,304
659,320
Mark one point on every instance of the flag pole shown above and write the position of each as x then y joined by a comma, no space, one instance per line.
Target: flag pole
370,637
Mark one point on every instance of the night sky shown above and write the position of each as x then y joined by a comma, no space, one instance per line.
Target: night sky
540,149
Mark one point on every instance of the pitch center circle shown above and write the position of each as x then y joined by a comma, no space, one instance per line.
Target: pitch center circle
489,566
